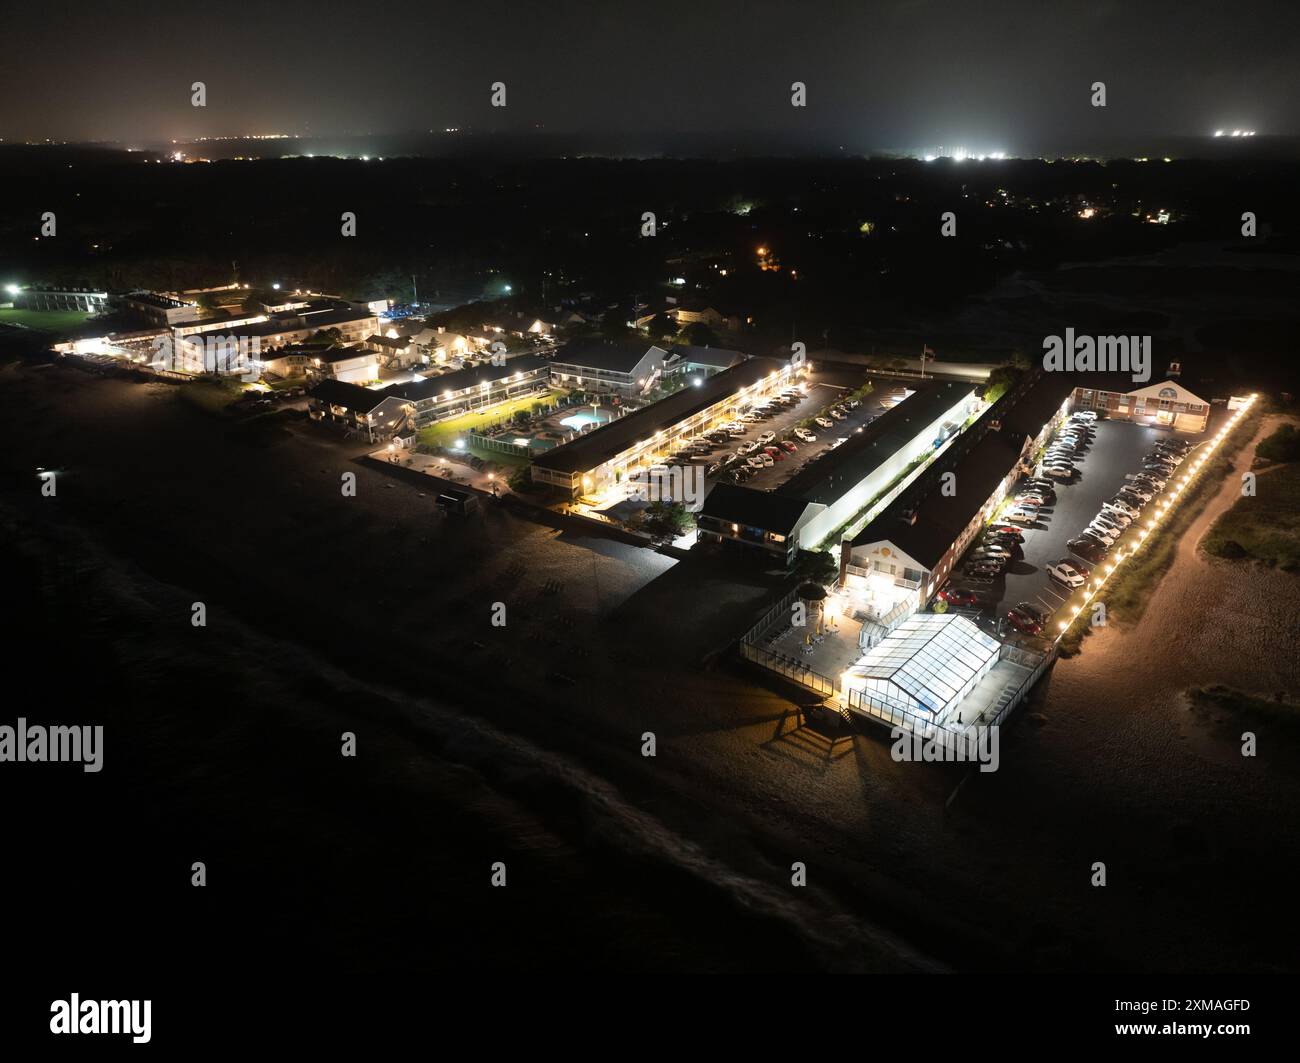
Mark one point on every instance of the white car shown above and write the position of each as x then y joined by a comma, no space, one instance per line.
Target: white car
805,435
1140,490
1119,506
1084,415
1061,472
1112,522
1066,574
766,438
839,415
767,460
1100,531
839,442
823,422
1020,516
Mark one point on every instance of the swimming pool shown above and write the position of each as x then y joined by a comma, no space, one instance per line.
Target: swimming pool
578,422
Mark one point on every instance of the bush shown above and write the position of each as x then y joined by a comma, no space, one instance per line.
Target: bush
1229,548
1282,445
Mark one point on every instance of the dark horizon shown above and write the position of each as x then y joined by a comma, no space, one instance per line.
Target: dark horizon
907,76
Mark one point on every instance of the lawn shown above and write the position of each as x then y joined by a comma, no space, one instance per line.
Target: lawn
445,433
56,321
1266,526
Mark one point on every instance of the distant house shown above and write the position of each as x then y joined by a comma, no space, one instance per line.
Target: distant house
290,361
697,312
393,350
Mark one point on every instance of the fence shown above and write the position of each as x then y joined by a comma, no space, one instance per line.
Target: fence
473,439
790,667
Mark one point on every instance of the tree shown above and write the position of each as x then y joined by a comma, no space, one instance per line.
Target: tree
818,566
666,519
1000,381
662,326
698,334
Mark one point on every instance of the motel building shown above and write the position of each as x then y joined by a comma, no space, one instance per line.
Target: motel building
474,388
597,465
842,483
896,563
380,416
619,367
1168,404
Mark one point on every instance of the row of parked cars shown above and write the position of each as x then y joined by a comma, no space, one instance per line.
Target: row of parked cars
1094,542
750,456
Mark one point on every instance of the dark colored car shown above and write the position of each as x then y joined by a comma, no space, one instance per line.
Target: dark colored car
1024,623
1091,550
1036,611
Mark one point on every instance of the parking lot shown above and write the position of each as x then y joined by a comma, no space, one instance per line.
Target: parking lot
820,397
1100,469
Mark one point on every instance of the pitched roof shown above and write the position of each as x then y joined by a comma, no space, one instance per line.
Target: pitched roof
350,396
470,376
597,447
769,510
613,356
837,471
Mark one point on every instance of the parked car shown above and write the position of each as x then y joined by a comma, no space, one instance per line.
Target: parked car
1067,574
1020,516
1136,488
1088,549
1118,521
853,404
1007,531
1023,622
788,446
1118,505
1106,536
805,435
1030,498
748,448
959,596
1085,415
983,568
775,453
839,415
1036,611
713,469
823,422
1042,486
766,459
766,438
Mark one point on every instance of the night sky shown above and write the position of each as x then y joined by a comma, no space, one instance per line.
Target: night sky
905,74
